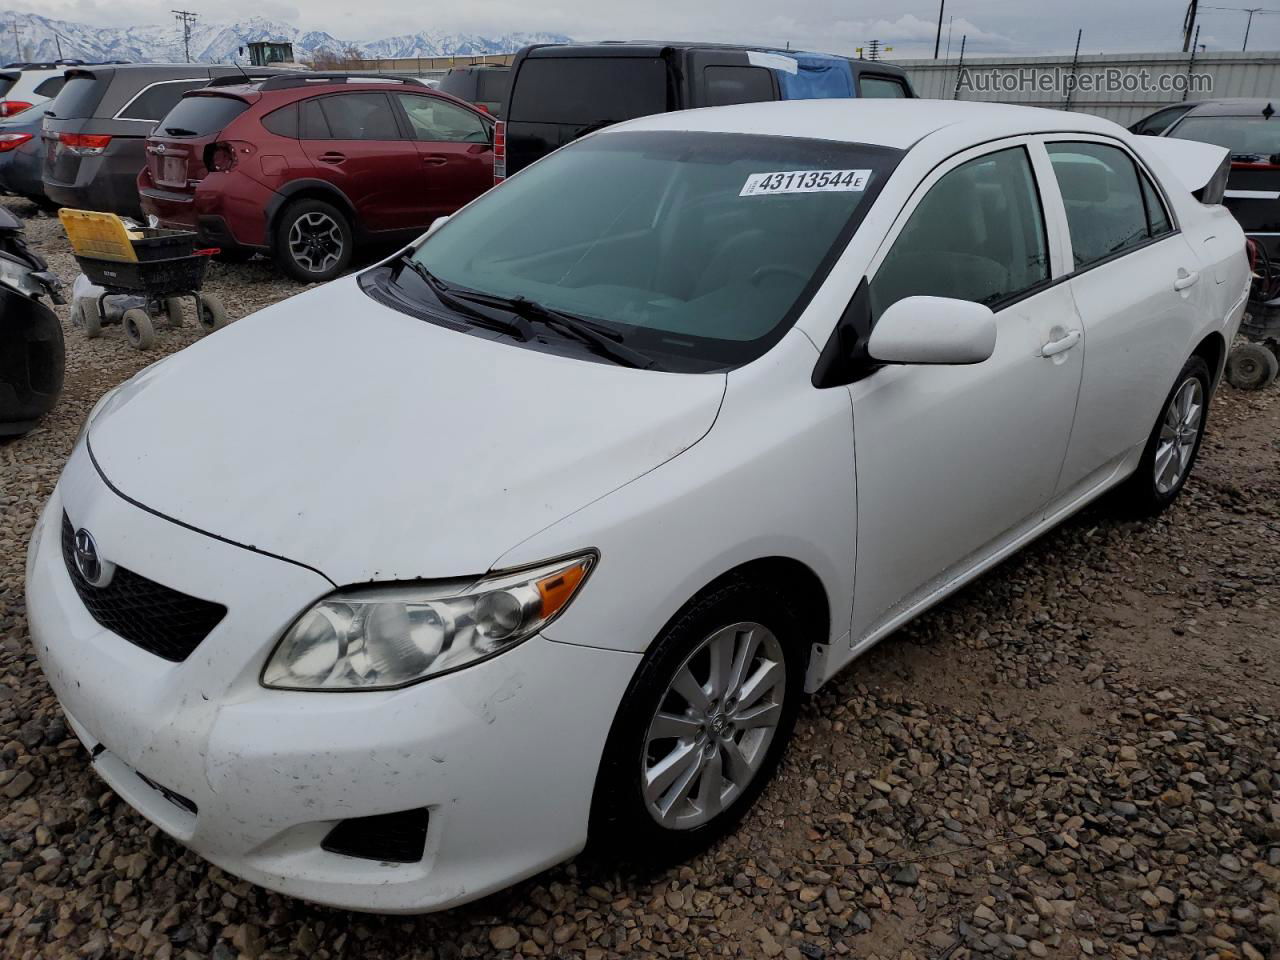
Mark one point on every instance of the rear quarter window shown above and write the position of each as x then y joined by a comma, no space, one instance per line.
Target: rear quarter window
492,85
283,122
881,87
587,91
154,101
50,87
201,116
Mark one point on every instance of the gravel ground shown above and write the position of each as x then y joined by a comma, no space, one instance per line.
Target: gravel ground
1075,756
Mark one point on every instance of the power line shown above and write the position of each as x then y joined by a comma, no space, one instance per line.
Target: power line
187,18
1248,24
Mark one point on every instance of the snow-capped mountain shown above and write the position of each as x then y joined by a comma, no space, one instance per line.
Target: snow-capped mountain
41,38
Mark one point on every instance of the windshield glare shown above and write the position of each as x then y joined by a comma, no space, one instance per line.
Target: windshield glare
1251,136
696,245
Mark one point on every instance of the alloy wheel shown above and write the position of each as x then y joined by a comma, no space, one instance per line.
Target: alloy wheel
315,242
1179,432
712,727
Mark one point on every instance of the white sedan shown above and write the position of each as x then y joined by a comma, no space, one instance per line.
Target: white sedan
401,589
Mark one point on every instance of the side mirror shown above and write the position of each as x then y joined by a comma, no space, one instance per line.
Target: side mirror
436,224
934,330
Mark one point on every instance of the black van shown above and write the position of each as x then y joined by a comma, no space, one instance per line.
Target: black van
561,91
95,129
483,85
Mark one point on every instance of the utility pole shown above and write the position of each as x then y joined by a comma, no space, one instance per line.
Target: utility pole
187,18
17,40
937,42
57,39
1189,24
1248,25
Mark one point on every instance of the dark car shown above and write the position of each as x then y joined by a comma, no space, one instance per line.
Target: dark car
560,92
96,127
307,166
32,353
22,156
483,85
1250,129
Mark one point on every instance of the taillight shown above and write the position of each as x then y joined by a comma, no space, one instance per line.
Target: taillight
9,108
12,141
85,144
219,157
499,151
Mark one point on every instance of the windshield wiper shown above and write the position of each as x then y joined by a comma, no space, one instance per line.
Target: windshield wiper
603,343
517,326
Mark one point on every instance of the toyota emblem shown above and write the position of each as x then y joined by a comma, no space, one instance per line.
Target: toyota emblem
92,567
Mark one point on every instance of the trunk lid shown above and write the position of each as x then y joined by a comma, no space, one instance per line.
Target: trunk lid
177,148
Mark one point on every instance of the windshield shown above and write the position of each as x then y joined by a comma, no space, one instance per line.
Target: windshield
698,247
1243,136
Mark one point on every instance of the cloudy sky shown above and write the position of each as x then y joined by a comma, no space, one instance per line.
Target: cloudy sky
838,26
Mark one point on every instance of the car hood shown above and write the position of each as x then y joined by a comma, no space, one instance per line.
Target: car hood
338,433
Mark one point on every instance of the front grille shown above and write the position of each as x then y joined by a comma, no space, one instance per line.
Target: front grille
390,837
150,615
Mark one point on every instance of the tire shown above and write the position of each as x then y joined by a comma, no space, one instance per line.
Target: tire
175,310
1173,444
139,328
210,313
622,823
313,241
1251,366
87,315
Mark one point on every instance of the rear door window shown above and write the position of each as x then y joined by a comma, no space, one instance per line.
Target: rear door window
881,87
156,100
360,116
588,91
79,96
201,116
728,84
433,119
311,122
1106,213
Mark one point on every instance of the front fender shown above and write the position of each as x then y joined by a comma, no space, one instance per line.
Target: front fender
774,477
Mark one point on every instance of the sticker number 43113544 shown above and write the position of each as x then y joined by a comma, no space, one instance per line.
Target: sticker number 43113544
805,181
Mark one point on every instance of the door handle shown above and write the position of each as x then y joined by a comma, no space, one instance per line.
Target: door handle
1185,279
435,159
332,157
1061,345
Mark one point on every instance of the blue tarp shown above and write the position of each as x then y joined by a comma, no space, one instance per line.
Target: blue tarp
818,76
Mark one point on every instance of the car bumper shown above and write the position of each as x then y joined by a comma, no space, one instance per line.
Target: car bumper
104,183
503,754
226,210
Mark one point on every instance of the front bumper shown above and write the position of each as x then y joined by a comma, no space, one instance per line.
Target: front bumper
503,754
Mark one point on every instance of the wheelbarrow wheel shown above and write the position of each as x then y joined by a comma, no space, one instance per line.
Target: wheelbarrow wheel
139,328
210,312
1251,366
174,310
87,315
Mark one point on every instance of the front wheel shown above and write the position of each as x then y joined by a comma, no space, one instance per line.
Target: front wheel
313,241
703,726
1173,445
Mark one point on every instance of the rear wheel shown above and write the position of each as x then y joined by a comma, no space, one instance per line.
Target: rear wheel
313,241
139,328
703,726
1173,444
1251,366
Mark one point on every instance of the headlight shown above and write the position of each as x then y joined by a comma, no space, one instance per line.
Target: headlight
385,637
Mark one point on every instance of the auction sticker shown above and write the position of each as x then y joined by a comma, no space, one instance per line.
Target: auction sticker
805,181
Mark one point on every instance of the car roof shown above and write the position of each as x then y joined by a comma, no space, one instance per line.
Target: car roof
1234,107
897,123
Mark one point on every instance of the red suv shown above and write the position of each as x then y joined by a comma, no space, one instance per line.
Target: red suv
305,167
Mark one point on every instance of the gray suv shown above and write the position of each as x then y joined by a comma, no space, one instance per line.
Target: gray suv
95,130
